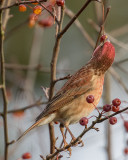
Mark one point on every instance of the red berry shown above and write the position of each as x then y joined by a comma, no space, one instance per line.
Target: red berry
112,120
19,114
60,2
116,102
126,151
103,38
37,10
115,108
107,108
22,8
26,155
90,99
46,22
126,125
83,121
56,122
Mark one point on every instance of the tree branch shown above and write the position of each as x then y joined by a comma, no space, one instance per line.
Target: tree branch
3,88
22,2
53,75
80,27
72,143
112,39
37,103
74,18
48,11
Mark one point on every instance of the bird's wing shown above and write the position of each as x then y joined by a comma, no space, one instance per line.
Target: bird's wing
78,84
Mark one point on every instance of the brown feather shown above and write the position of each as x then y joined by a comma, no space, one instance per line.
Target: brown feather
76,86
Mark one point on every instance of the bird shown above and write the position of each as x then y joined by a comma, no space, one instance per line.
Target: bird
69,104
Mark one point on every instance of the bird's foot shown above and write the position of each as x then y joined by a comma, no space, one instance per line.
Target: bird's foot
69,149
81,142
78,142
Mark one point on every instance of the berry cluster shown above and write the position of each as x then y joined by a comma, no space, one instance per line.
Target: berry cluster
37,12
115,107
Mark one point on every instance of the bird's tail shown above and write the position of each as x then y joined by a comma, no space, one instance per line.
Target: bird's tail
42,121
29,129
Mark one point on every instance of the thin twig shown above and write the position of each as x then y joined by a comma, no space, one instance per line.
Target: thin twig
63,78
36,104
107,92
72,143
4,96
37,67
102,26
6,14
114,40
80,27
22,2
98,13
75,17
54,16
112,115
53,76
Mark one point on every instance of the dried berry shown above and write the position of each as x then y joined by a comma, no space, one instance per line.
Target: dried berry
107,108
22,8
126,125
115,108
90,99
112,120
26,155
83,121
116,102
46,22
37,10
18,114
56,122
126,151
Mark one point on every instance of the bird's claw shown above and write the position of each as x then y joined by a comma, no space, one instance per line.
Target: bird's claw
81,142
70,151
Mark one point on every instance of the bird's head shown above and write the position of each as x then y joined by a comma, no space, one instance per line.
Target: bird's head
103,56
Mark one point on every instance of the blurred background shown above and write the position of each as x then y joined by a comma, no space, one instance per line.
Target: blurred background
31,47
